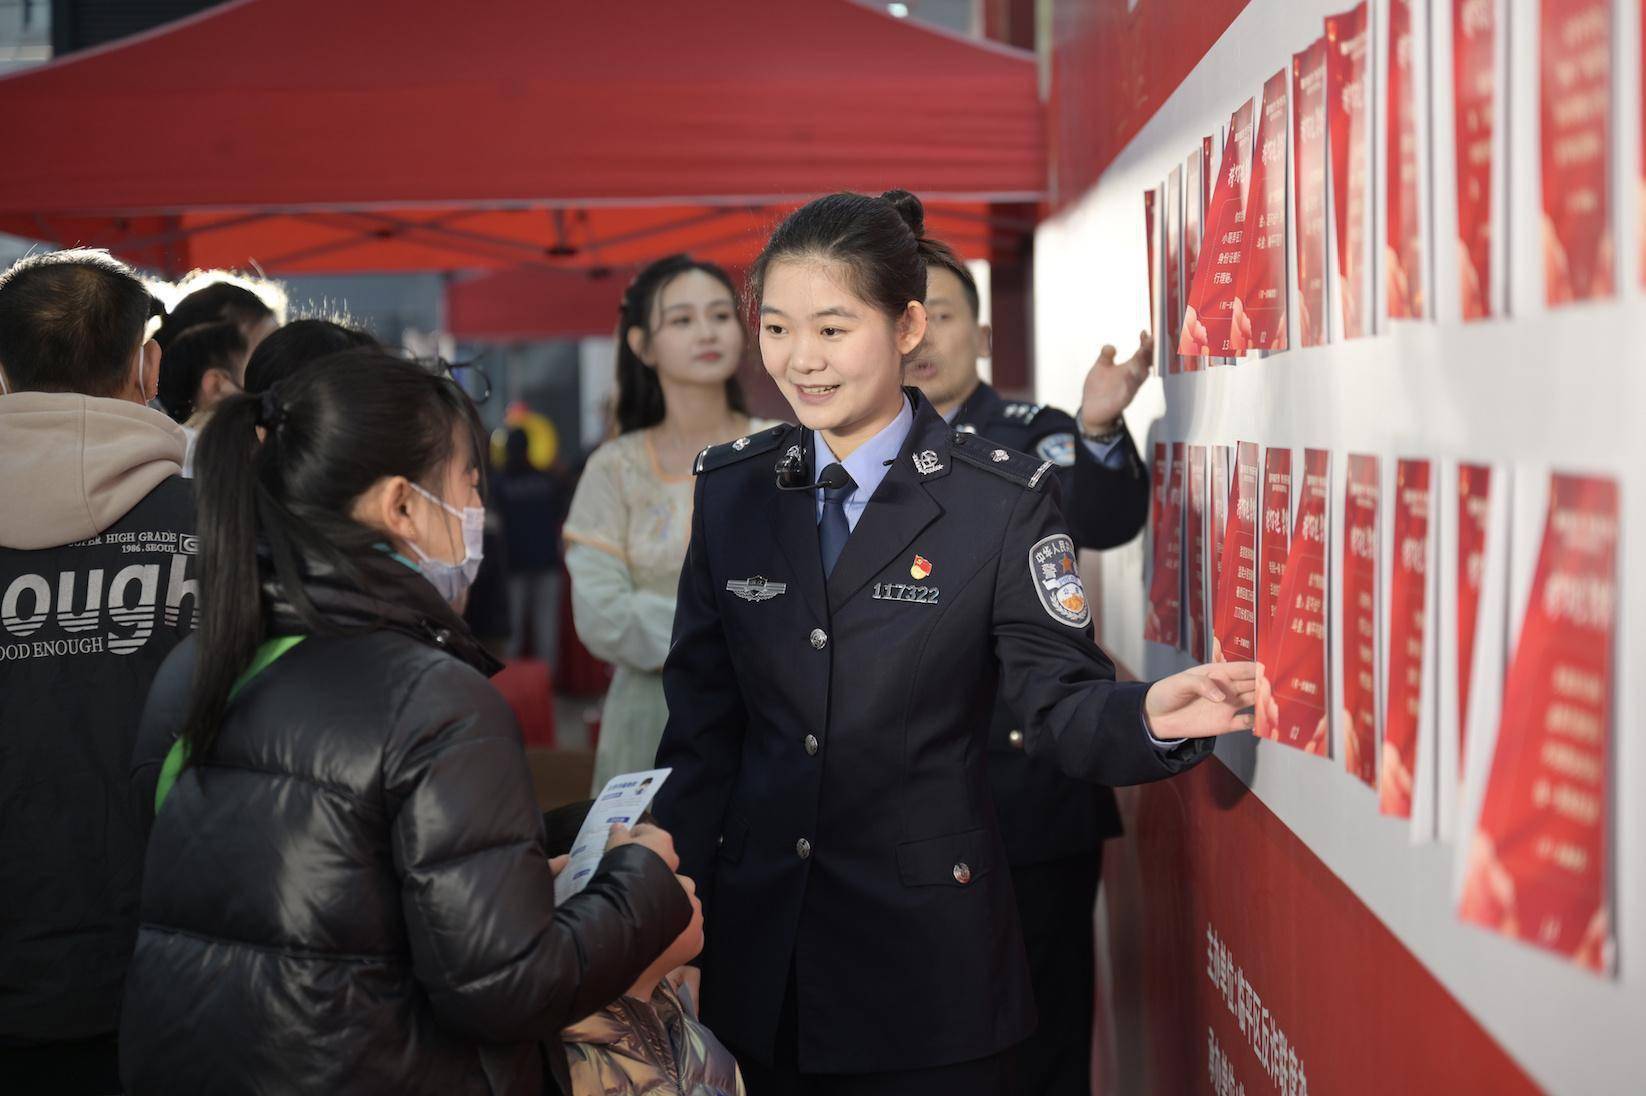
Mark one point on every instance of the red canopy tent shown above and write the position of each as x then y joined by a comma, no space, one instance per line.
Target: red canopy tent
309,136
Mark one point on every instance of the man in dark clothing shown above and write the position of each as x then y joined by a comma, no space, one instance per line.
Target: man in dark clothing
532,504
97,585
1053,826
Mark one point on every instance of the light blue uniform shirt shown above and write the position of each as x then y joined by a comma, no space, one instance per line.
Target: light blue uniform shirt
867,465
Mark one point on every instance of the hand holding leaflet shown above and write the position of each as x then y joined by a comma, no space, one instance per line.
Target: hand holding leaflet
621,803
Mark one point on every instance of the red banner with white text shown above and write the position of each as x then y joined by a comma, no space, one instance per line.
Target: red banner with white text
1292,705
1348,50
1359,646
1235,622
1214,322
1263,291
1408,623
1538,862
1163,622
1309,186
1474,108
1575,101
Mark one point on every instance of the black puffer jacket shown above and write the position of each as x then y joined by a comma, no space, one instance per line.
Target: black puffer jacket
351,893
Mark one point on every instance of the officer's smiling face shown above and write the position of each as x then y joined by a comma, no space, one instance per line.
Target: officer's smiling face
944,365
837,358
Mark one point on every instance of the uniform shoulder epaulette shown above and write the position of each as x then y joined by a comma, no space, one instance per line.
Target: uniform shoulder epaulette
1019,411
718,456
980,452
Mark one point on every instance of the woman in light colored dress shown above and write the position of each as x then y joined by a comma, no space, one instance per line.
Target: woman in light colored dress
679,343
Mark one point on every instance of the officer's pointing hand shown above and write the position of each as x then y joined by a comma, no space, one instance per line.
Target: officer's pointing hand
1208,700
1110,386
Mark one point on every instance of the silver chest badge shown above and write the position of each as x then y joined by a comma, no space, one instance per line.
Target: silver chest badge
757,588
926,462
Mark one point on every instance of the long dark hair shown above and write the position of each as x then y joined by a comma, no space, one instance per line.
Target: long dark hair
191,355
329,434
876,240
220,298
297,345
639,393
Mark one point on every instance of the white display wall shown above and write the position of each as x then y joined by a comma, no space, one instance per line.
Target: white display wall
1536,390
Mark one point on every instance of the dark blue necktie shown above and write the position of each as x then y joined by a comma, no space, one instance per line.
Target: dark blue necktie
833,529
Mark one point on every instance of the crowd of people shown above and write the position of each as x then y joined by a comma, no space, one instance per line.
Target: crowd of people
266,826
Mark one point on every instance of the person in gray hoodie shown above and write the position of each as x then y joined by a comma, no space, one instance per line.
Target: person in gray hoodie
97,585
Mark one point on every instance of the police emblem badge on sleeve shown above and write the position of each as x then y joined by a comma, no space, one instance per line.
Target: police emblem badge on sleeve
1056,576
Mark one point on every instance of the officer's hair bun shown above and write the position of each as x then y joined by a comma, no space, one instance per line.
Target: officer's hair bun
909,208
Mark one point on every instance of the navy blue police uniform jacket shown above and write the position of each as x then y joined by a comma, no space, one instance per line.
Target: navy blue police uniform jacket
1044,814
830,792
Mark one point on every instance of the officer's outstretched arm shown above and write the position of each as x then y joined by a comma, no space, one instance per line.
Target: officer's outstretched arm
1052,674
703,740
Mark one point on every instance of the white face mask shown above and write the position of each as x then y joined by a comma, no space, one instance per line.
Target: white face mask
451,579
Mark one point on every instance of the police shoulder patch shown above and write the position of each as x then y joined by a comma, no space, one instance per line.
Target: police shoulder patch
980,452
1056,576
718,456
1057,448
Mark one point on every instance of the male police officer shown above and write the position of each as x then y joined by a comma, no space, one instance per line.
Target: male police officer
1054,827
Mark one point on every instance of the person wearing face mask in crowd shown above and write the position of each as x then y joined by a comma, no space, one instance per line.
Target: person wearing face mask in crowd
679,343
346,887
97,578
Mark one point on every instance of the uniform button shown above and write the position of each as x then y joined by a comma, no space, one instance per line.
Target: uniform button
811,744
1015,738
803,849
962,873
819,637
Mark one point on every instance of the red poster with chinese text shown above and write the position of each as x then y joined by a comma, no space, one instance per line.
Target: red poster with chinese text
1214,321
1538,864
1208,173
1474,105
1150,196
1263,288
1196,541
1403,236
1359,647
1194,212
1174,263
1474,482
1235,623
1163,623
1309,184
1219,489
1292,695
1348,46
1157,506
1575,110
1274,546
1408,621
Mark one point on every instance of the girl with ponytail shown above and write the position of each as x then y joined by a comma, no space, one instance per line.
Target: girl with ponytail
346,887
857,590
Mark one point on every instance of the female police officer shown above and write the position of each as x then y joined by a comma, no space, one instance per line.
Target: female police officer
856,590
